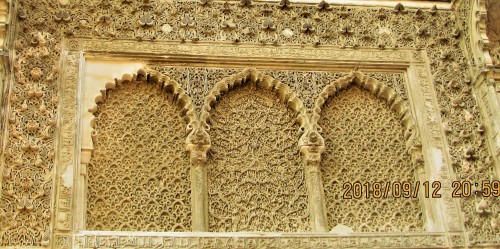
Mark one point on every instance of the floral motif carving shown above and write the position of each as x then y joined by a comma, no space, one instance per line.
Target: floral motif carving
466,136
255,179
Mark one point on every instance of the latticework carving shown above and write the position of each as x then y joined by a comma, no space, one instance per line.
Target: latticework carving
255,179
138,178
364,143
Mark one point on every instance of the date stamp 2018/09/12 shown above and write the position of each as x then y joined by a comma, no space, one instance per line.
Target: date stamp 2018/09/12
427,189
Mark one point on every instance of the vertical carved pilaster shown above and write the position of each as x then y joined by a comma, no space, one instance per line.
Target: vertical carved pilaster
80,210
197,144
311,146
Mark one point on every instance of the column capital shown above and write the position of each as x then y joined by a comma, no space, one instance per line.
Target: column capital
311,146
198,142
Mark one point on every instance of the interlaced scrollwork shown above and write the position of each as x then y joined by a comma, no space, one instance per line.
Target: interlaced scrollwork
139,172
255,179
364,142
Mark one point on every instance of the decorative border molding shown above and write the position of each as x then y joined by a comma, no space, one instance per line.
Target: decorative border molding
257,240
67,142
400,56
413,61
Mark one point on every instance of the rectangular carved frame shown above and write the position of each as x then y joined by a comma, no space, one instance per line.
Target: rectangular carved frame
68,206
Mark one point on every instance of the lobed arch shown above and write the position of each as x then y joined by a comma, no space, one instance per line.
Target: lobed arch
253,76
182,99
375,159
380,90
236,196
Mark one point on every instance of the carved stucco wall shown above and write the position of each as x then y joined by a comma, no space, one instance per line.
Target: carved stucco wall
349,124
478,18
255,178
31,176
138,175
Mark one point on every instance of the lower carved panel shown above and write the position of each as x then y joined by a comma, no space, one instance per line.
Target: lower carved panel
364,143
255,178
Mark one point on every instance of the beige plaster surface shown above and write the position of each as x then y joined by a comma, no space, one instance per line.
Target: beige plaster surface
97,73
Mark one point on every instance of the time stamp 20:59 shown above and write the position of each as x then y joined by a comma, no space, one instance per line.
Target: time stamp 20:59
460,189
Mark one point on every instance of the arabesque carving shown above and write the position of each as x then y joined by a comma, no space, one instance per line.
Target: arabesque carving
394,101
368,131
260,80
138,176
255,179
468,139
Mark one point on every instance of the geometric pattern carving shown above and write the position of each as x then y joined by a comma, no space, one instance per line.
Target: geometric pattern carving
364,143
139,172
255,177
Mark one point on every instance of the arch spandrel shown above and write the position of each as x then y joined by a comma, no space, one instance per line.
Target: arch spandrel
139,140
255,178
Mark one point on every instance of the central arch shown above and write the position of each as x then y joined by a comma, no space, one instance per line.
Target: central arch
255,178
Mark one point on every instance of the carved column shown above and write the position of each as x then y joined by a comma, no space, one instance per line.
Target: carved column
311,146
198,144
